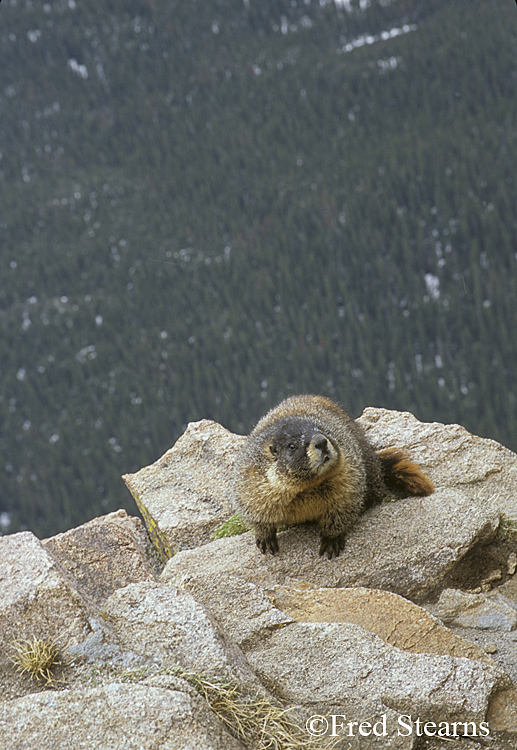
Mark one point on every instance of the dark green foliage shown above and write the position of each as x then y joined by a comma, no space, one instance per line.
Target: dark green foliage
230,208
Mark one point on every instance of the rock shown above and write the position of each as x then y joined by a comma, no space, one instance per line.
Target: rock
394,619
104,555
450,744
312,661
450,455
329,638
490,611
216,576
185,495
248,610
406,561
502,714
504,642
509,589
119,716
39,601
158,625
379,724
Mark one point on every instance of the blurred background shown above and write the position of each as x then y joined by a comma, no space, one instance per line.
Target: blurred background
206,206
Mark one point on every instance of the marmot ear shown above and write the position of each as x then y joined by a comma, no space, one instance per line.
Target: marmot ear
273,450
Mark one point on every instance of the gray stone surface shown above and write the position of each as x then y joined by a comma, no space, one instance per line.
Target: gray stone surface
385,550
117,716
491,611
157,624
185,495
104,555
500,644
450,455
38,599
307,662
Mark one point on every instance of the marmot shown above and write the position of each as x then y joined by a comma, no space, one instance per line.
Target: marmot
308,460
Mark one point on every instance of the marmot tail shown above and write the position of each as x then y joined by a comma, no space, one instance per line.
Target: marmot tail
402,475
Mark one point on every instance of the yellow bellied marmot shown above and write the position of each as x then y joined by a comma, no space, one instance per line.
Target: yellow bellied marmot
307,460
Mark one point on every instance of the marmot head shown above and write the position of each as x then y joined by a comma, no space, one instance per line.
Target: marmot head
297,449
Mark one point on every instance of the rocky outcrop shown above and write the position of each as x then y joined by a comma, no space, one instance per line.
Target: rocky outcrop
452,456
118,716
387,549
195,473
40,601
396,620
408,637
105,555
153,624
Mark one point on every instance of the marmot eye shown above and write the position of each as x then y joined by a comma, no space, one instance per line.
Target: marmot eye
292,447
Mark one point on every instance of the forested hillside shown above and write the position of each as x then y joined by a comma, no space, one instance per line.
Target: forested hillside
209,205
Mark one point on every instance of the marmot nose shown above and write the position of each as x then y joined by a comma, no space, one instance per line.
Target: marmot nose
321,443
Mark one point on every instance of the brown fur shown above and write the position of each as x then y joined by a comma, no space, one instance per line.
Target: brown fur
402,475
307,460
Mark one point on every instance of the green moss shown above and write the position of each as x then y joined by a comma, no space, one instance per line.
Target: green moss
232,527
158,538
507,531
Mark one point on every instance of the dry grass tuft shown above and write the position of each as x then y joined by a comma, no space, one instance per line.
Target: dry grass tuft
252,718
37,658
